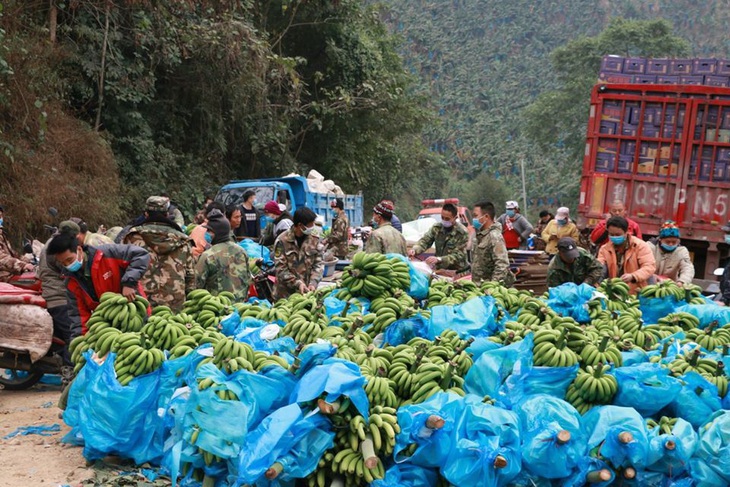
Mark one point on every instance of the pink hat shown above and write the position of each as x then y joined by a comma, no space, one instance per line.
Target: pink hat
273,208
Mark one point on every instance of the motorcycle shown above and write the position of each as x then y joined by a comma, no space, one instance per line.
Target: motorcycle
262,283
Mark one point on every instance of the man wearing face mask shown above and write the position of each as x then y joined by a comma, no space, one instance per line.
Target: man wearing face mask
491,261
573,264
560,227
515,227
224,266
92,271
338,237
599,235
451,239
385,239
672,259
626,256
298,256
10,262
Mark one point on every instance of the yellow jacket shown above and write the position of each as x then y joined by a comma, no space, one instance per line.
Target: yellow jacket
552,228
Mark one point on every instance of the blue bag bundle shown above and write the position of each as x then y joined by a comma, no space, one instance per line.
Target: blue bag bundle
314,355
652,309
586,465
696,401
646,387
434,445
542,418
402,331
707,313
246,325
420,282
335,377
571,299
492,368
116,419
274,438
529,381
476,317
229,324
72,413
634,356
605,424
408,475
256,251
303,457
335,307
527,479
481,345
672,458
710,465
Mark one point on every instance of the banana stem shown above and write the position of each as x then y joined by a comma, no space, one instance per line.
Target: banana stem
670,445
665,349
629,473
598,476
711,327
500,462
295,365
720,370
563,437
604,343
560,344
367,448
328,408
345,309
597,372
435,422
446,381
274,471
625,437
695,357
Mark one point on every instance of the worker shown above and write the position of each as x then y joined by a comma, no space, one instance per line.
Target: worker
599,236
626,256
278,221
250,224
451,239
394,220
340,233
725,281
385,239
573,264
561,226
490,261
672,258
298,256
197,235
545,218
516,229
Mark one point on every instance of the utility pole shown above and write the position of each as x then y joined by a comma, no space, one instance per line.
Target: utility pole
524,186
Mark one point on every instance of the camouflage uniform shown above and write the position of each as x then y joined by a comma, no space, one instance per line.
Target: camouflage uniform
171,272
386,240
10,263
490,261
585,268
295,264
338,237
450,245
224,267
96,239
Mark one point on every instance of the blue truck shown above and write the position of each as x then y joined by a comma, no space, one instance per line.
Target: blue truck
293,192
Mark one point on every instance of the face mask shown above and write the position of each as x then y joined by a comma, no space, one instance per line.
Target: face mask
447,224
373,224
562,223
309,231
208,237
1,222
74,266
668,248
476,223
510,213
618,240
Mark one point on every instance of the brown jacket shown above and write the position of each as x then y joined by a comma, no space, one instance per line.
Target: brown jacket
638,261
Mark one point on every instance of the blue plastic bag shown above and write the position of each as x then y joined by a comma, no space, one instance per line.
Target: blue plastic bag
402,331
707,313
492,368
481,345
542,418
304,456
647,387
571,299
256,251
604,424
420,282
586,465
114,419
482,434
710,465
652,309
696,401
229,324
476,317
314,355
634,357
335,307
335,377
408,475
434,445
672,461
529,381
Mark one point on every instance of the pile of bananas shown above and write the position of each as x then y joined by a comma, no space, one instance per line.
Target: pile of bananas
135,357
206,309
662,290
618,294
592,386
371,275
665,425
551,348
443,292
119,312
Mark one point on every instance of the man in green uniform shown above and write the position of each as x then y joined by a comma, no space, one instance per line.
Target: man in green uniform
337,240
490,262
224,266
451,239
298,256
171,272
385,239
573,264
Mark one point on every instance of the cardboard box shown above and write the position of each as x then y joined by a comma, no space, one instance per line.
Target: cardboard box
691,80
704,66
645,79
725,118
628,147
723,135
715,80
634,65
646,166
723,154
629,130
625,164
615,77
650,131
612,64
632,114
605,162
680,67
667,168
651,116
720,171
659,153
657,66
609,128
669,79
723,67
609,146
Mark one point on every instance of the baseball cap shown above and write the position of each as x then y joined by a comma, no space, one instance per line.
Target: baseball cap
568,248
563,211
511,205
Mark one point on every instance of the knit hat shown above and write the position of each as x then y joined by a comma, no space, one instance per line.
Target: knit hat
669,229
157,203
68,226
384,209
219,225
273,208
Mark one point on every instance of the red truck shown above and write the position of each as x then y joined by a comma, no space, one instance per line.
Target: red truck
664,150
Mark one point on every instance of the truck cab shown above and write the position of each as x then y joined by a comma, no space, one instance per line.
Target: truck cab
432,209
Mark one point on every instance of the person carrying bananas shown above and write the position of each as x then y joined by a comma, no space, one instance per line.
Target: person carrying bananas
490,261
385,239
626,256
672,259
573,264
451,239
298,256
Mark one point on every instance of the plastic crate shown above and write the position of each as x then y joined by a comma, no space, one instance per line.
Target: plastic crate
634,65
615,77
607,127
680,67
629,130
723,67
691,80
605,162
628,147
667,80
645,79
626,164
657,66
715,80
612,64
704,66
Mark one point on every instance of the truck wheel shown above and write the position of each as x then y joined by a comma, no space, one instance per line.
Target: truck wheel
18,380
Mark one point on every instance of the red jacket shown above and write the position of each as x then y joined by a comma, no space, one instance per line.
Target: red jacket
599,235
111,267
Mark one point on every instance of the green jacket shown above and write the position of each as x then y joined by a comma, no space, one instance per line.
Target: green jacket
450,245
295,264
490,258
386,240
585,269
224,267
339,235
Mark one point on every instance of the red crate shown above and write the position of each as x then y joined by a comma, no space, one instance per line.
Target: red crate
612,64
634,65
680,67
657,66
704,66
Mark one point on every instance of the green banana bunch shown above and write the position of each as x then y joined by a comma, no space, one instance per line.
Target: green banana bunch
164,332
711,338
263,360
719,378
665,425
605,352
550,349
379,388
616,290
134,358
692,362
663,289
371,275
684,320
206,309
118,312
403,367
432,378
595,386
231,356
306,323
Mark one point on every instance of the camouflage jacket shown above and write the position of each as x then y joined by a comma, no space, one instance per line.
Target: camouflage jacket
171,272
10,263
490,259
224,267
386,240
450,246
295,264
585,269
338,237
96,239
